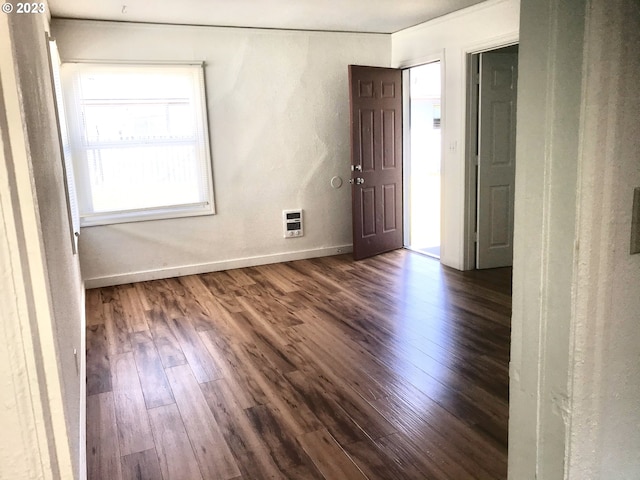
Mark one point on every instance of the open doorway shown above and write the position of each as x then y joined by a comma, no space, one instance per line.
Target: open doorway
491,135
423,165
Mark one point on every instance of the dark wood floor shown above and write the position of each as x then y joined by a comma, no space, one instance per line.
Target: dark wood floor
389,368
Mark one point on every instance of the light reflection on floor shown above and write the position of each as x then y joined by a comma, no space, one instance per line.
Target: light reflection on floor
419,327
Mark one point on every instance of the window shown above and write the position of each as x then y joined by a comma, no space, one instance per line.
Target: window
139,141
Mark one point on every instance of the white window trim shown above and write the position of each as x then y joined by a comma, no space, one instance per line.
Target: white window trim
65,147
142,214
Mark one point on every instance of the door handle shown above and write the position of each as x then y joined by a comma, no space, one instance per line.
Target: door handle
357,181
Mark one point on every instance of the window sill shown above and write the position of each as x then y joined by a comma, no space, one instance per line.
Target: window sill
113,218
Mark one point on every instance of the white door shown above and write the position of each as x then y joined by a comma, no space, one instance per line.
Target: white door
496,158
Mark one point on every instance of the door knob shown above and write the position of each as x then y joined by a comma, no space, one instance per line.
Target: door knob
357,181
356,168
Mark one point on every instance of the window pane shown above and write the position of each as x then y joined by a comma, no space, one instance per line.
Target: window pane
108,82
128,122
144,177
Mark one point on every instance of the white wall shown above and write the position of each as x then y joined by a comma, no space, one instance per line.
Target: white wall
547,147
604,438
279,123
490,24
41,292
575,347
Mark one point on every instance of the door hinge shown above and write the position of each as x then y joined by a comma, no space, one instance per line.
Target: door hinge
475,237
476,78
477,160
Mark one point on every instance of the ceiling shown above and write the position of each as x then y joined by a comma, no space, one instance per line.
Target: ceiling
376,16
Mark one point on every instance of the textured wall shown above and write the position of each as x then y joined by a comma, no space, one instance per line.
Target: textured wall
62,265
47,384
279,123
575,348
450,38
547,150
605,418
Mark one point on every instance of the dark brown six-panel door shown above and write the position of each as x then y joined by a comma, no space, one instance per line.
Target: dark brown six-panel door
376,159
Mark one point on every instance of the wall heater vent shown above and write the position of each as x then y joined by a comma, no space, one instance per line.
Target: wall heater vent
293,223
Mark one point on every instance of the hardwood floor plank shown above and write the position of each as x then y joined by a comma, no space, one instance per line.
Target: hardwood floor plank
198,314
252,456
216,283
378,464
358,410
167,293
211,450
168,347
450,451
264,347
98,366
221,290
103,453
245,390
109,294
240,277
155,386
261,317
141,466
203,366
410,400
93,307
441,383
329,457
134,433
141,291
331,354
285,400
117,328
209,314
329,413
134,309
140,337
277,275
177,460
409,458
284,449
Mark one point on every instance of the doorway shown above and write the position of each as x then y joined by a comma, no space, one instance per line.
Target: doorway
491,134
422,176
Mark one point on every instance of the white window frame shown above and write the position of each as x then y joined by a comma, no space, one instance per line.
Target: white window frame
70,74
65,146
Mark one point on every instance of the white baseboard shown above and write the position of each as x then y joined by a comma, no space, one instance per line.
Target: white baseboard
111,280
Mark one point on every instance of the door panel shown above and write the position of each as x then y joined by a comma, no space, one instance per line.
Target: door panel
496,158
367,211
376,156
388,139
366,140
500,213
389,201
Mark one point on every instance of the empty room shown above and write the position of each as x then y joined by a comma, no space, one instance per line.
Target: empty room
210,265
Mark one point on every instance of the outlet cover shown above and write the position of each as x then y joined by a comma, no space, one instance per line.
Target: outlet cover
635,222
